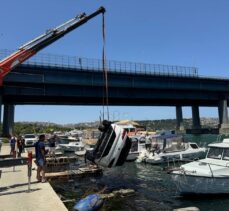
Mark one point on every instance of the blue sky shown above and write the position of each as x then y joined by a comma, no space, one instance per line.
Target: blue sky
177,32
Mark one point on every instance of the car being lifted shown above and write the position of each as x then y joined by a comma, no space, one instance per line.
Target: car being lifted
112,147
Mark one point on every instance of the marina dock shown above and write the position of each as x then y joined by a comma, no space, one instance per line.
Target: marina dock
59,161
79,173
14,193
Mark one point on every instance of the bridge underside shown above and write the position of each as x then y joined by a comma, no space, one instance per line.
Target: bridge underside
120,100
39,85
35,85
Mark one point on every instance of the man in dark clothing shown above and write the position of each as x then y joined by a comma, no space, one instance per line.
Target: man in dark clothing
40,158
23,144
52,145
19,146
12,144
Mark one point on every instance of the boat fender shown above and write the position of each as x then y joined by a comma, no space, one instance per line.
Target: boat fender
92,202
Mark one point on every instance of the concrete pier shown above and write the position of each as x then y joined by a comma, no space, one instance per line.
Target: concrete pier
179,118
195,117
14,193
8,120
196,127
223,117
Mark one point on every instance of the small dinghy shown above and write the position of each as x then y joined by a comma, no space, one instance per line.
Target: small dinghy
91,203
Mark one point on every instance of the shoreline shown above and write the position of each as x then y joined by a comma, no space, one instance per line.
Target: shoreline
14,190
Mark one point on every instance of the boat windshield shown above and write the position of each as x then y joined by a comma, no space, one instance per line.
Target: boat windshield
215,153
226,154
134,145
194,146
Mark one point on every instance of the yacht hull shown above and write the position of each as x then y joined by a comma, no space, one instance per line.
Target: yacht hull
189,184
174,157
132,156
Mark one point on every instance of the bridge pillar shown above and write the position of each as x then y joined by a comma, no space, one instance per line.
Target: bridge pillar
223,117
179,117
8,120
195,118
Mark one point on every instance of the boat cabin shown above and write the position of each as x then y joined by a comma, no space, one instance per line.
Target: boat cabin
137,144
219,151
130,129
168,142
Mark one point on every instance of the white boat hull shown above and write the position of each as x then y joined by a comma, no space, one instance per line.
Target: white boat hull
132,156
174,157
71,147
189,184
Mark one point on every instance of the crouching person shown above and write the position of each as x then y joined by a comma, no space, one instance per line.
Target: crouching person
40,158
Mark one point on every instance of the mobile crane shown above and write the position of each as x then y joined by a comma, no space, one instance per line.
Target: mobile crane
113,145
32,47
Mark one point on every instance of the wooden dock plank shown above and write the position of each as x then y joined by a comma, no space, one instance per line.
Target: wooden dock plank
80,172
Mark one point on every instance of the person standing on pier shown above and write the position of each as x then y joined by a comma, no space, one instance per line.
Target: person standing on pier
12,144
40,158
19,146
52,145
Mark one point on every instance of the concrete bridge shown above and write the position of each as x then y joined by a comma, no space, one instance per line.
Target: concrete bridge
61,80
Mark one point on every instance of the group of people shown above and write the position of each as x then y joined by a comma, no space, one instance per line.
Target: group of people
18,142
40,152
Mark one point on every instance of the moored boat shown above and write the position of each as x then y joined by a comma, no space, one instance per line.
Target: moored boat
71,147
171,148
191,151
205,176
138,145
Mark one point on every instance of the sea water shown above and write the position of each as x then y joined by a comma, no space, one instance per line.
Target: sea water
153,186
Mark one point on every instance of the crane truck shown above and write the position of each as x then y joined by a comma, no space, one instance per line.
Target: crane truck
113,145
32,47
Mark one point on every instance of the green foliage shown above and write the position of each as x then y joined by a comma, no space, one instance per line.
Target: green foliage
170,124
5,140
150,125
25,128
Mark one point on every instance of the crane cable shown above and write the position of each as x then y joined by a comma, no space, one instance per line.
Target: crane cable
105,78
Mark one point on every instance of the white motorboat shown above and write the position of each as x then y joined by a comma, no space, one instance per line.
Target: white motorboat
84,150
138,145
206,176
171,148
71,147
191,151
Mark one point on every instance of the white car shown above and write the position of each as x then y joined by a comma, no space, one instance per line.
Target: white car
112,147
30,139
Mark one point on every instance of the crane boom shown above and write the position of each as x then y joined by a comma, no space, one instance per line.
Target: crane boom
32,47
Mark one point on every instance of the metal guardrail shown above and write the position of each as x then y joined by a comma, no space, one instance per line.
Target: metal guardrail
61,61
13,162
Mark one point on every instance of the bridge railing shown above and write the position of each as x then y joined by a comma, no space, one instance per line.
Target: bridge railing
61,61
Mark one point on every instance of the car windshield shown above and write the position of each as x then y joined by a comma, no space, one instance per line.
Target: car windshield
30,136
